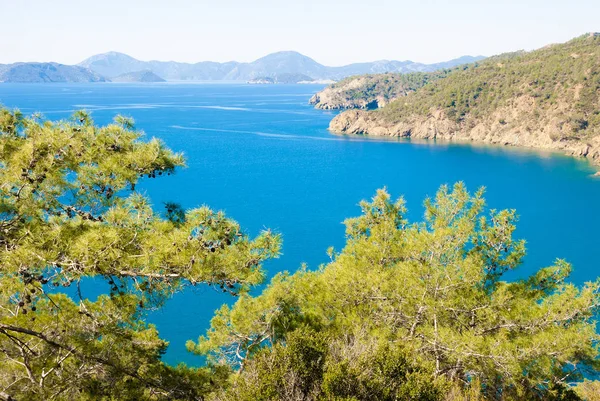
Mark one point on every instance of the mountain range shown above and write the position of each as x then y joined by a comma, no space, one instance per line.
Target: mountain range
285,62
106,66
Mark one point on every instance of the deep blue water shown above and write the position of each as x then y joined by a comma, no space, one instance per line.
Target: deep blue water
263,155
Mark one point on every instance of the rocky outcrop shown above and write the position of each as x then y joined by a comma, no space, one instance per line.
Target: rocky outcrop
510,126
340,96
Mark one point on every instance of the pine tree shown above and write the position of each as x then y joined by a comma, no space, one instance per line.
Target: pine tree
70,212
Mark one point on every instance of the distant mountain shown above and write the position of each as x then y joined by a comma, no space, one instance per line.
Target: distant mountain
457,61
372,91
47,72
114,65
286,62
138,76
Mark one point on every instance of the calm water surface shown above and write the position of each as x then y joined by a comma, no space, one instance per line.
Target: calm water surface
264,156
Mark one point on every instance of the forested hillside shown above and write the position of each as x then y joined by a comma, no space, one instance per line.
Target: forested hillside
548,98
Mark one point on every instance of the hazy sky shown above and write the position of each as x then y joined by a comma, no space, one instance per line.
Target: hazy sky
333,32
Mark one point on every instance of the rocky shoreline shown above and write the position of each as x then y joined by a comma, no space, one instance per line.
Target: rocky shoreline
493,130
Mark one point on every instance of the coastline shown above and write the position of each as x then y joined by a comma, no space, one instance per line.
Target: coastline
438,127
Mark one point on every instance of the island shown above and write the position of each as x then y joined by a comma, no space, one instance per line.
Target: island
138,76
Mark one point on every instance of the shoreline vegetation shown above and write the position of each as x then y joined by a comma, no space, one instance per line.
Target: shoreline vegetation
544,99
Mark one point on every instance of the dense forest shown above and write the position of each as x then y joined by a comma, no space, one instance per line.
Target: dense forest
405,311
555,74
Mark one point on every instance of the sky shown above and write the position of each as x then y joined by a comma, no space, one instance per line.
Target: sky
333,32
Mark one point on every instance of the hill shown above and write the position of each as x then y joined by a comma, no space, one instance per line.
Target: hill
371,91
287,62
47,72
112,64
548,98
138,76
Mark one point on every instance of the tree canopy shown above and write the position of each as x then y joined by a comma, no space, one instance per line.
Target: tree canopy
413,311
70,212
562,81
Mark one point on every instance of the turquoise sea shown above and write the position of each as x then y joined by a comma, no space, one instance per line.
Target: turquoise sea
264,156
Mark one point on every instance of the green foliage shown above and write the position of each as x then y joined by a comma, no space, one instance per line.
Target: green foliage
311,366
413,311
563,79
175,213
368,89
589,390
69,212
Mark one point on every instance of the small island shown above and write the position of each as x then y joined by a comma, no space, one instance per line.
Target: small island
284,78
138,76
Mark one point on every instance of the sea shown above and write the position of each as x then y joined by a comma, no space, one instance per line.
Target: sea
263,155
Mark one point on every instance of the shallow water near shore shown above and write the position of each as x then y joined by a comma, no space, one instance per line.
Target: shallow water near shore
265,157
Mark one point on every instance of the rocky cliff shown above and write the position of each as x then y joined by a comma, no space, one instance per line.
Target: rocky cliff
547,99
